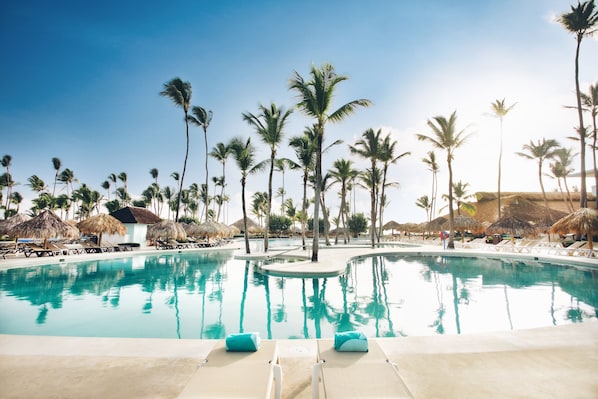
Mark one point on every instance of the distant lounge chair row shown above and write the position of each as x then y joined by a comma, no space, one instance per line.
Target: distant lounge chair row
57,248
174,244
361,370
542,246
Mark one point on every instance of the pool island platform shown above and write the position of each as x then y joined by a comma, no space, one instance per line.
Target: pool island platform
547,362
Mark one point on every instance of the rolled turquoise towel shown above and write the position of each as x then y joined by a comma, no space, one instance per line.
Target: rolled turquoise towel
350,341
243,342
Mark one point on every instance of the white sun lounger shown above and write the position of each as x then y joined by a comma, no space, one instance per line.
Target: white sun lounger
356,374
237,374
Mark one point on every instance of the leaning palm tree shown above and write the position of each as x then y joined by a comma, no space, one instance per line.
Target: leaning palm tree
342,173
432,167
202,118
543,150
499,110
582,21
179,93
590,103
269,125
445,137
57,164
561,168
370,147
305,150
244,154
387,156
314,99
8,182
220,153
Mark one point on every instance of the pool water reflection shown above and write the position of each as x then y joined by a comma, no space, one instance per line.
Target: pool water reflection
210,294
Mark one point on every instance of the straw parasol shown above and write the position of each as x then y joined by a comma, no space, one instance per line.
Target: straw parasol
211,229
191,229
462,223
44,226
6,225
512,225
101,224
166,229
582,221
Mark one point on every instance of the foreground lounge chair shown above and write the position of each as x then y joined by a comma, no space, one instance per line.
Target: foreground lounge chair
227,374
356,374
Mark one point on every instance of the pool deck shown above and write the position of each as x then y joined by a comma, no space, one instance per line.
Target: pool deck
550,362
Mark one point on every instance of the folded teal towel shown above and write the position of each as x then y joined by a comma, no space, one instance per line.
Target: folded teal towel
350,341
243,342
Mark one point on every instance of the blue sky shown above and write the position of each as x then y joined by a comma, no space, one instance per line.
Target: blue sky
80,82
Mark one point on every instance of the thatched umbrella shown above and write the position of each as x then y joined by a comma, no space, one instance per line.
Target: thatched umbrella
100,224
44,226
582,221
513,226
210,229
191,229
6,225
392,225
166,229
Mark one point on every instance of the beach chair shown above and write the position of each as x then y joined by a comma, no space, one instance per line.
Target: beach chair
38,250
227,374
356,374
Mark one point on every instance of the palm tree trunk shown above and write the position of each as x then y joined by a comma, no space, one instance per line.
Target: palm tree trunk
245,233
304,211
317,191
583,200
178,201
270,176
451,242
595,165
499,167
543,191
205,136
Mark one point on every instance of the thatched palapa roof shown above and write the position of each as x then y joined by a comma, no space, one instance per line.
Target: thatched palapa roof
133,214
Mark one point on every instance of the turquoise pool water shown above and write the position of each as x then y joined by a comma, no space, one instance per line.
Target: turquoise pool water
210,294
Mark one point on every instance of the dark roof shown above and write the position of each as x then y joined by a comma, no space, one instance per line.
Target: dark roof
133,214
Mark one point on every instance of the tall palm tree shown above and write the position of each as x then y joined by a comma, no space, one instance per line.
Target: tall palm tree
37,184
561,168
269,125
106,186
543,150
305,150
342,173
220,152
446,137
369,147
582,21
259,206
590,102
8,183
179,93
434,168
122,176
57,164
315,100
67,176
425,203
203,118
280,165
387,156
244,153
499,110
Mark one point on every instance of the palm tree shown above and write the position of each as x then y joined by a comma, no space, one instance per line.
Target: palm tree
7,182
425,203
343,173
561,168
202,118
106,186
280,165
305,151
461,196
179,93
581,21
259,206
67,176
445,137
434,168
57,164
369,147
221,152
244,153
122,176
499,110
387,156
37,184
590,102
545,149
314,99
269,125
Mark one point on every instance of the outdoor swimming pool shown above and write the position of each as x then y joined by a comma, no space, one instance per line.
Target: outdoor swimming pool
209,294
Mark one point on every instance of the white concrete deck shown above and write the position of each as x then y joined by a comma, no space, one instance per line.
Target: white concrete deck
552,362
